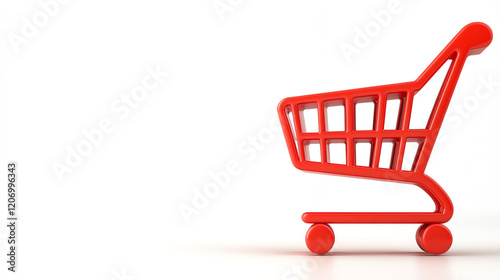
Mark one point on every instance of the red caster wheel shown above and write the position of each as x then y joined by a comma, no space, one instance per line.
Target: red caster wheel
320,238
434,238
419,235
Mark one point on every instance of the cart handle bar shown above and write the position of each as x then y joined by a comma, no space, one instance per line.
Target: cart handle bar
475,37
471,40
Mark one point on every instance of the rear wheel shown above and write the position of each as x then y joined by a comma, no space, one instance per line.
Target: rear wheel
320,238
418,236
434,238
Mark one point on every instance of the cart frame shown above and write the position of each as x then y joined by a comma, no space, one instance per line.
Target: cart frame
471,40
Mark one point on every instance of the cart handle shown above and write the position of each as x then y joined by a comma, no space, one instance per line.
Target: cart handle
473,38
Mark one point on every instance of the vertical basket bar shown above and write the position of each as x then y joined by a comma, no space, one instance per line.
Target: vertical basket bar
401,153
322,129
321,117
298,132
323,148
349,123
407,110
379,126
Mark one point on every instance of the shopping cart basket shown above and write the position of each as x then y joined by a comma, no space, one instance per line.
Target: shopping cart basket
431,236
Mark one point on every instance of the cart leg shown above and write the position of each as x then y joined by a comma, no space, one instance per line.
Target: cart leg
320,238
434,238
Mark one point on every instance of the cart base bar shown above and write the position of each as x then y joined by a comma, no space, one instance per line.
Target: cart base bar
375,217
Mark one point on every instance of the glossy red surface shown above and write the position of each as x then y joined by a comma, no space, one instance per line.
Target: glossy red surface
320,238
434,238
471,40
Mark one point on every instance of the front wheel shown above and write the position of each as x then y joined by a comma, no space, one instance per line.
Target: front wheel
434,238
320,238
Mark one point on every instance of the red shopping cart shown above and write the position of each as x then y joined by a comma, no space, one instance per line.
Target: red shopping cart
432,236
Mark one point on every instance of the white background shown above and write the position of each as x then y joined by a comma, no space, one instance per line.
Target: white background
116,214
